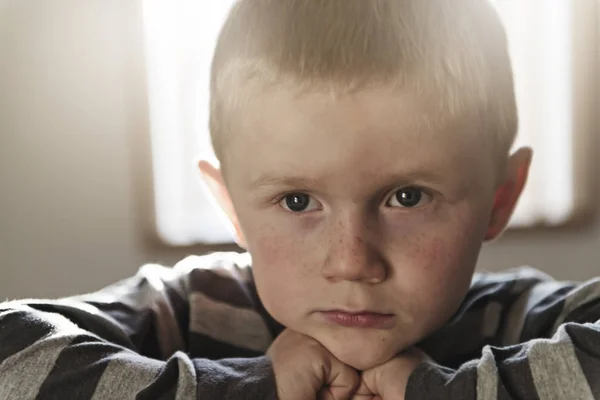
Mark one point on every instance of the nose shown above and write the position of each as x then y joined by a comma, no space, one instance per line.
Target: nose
352,256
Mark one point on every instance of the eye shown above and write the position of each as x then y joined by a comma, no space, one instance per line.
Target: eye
409,197
299,202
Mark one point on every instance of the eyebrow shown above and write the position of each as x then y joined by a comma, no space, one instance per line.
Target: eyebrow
266,180
295,181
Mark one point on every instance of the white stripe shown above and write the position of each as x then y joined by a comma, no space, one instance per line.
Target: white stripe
487,376
225,264
556,371
579,296
186,386
125,376
518,274
23,374
517,314
240,327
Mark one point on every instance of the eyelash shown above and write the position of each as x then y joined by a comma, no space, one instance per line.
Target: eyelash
281,198
424,193
388,198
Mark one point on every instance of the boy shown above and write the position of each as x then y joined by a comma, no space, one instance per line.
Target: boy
364,159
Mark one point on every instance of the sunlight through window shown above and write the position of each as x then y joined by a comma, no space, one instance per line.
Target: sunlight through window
180,38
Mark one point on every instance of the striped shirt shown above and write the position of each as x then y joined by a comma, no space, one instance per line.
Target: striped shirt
199,331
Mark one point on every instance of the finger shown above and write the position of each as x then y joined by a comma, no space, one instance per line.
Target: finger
325,394
342,380
336,393
364,390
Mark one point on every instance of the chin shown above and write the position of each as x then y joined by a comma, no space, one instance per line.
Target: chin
360,354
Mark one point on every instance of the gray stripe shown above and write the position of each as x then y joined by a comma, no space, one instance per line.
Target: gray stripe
589,366
125,376
515,319
556,371
240,327
186,386
16,378
583,294
487,376
586,339
147,291
19,329
491,319
168,333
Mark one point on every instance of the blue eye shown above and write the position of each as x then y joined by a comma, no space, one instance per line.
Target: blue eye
299,202
409,197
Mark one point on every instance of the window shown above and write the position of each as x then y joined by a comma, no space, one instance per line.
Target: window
547,58
550,43
180,39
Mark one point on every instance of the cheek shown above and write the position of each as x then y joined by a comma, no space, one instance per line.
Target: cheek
282,270
275,250
439,255
440,272
447,252
280,247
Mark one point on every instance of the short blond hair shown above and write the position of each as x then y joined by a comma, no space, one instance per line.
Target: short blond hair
455,51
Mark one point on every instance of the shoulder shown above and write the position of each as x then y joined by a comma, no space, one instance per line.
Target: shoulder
218,282
227,265
534,285
533,304
523,276
224,305
218,275
224,277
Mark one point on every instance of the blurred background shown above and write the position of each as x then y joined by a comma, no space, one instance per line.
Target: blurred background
99,114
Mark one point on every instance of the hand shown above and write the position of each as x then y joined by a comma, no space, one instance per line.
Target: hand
305,370
388,381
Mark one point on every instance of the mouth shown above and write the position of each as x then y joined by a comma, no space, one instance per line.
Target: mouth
362,319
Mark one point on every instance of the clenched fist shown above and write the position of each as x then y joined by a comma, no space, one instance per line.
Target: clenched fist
388,381
305,370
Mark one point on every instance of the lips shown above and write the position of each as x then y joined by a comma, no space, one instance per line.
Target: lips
363,319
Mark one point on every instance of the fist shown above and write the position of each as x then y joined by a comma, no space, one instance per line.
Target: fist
388,381
305,370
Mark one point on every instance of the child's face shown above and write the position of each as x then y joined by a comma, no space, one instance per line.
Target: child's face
389,216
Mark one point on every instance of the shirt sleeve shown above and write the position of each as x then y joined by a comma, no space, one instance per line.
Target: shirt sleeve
124,342
537,339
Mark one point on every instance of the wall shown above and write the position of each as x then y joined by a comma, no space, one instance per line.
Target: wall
74,157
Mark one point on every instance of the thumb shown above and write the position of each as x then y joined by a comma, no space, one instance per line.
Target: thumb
364,389
341,382
369,384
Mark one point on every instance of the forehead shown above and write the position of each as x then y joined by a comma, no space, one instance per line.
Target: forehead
351,139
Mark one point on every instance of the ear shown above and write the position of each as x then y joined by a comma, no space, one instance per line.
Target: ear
509,191
213,178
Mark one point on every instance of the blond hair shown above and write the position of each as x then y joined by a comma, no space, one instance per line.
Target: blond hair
454,51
